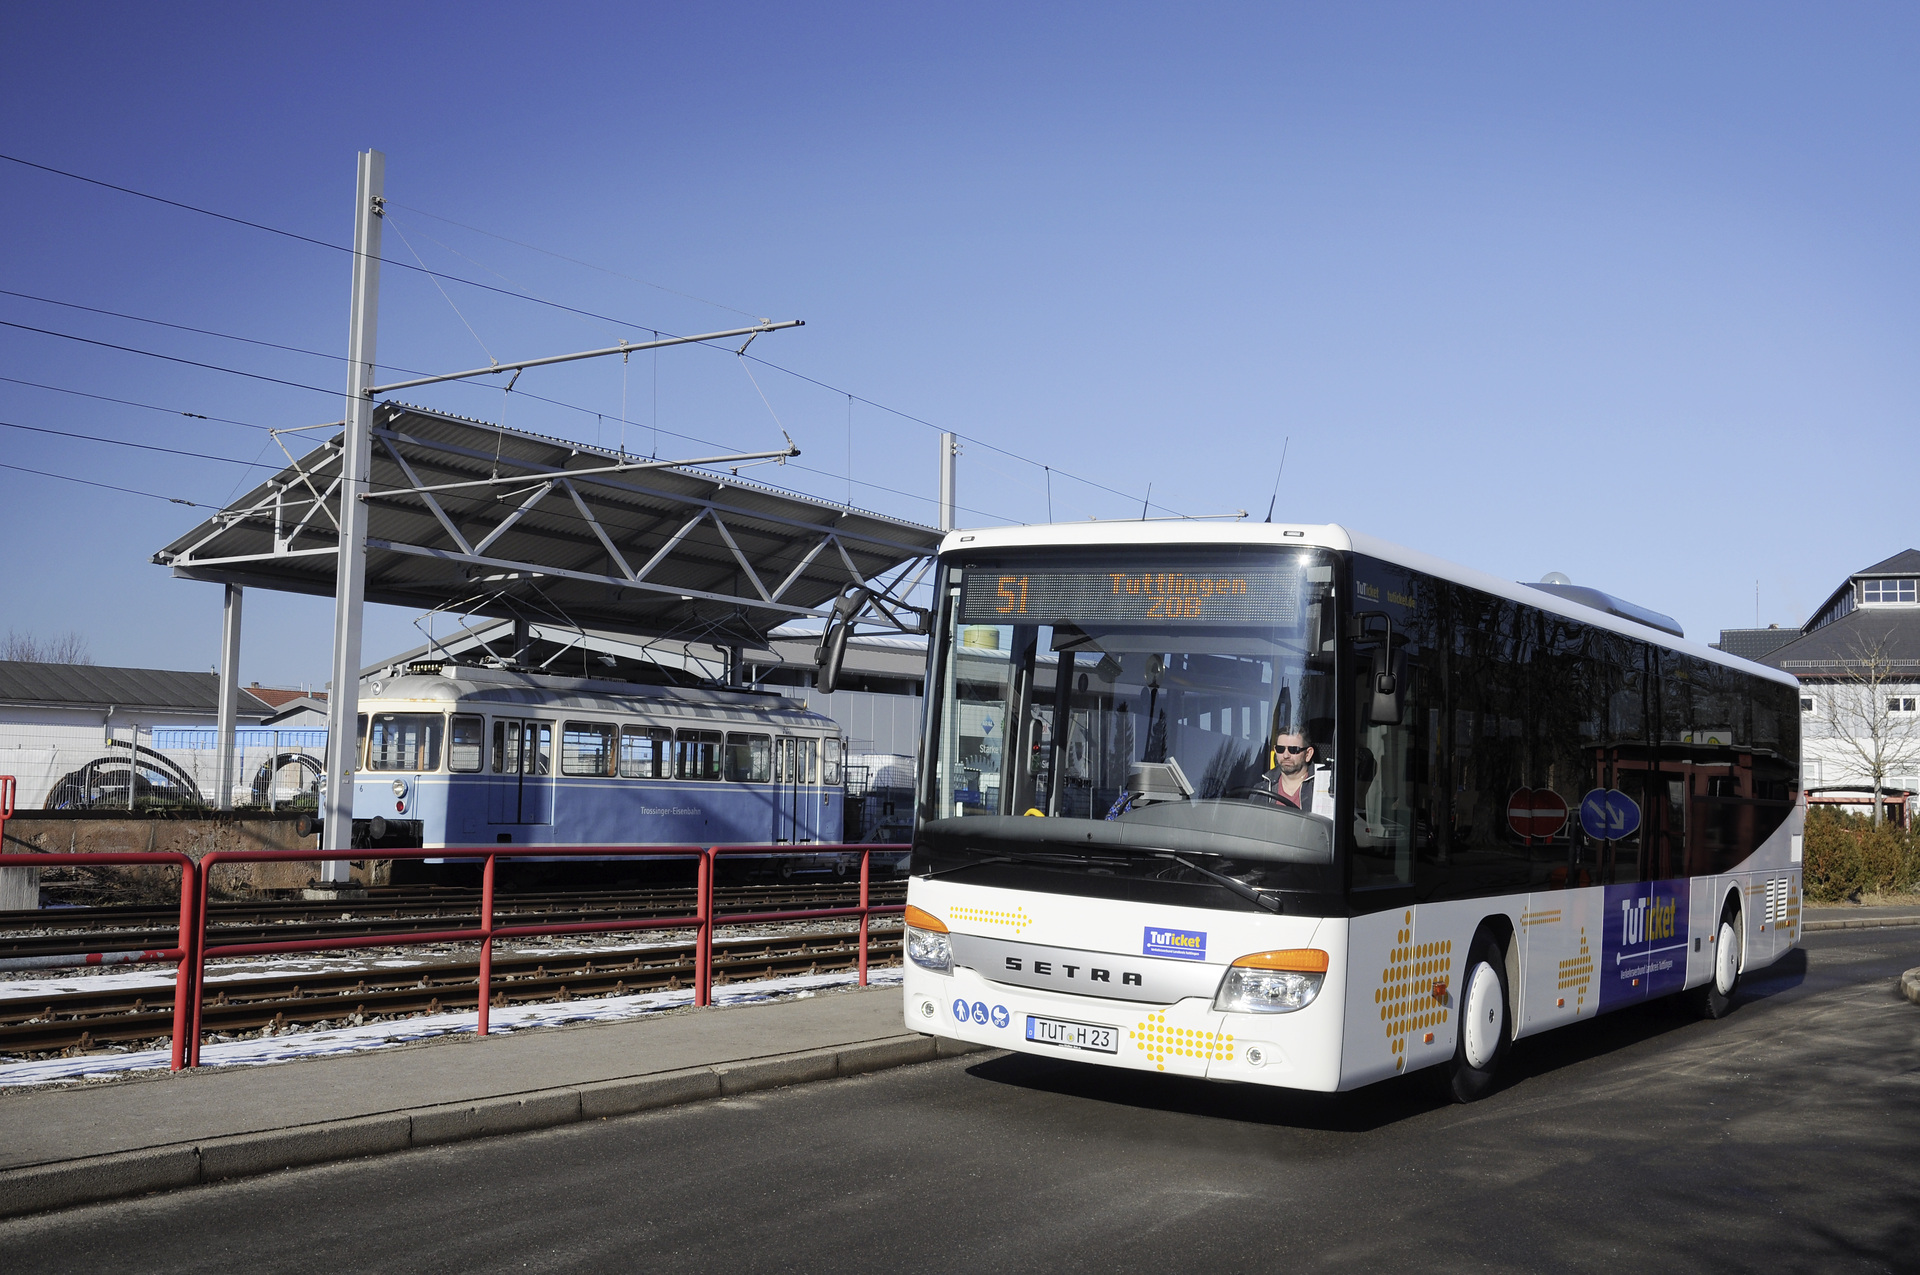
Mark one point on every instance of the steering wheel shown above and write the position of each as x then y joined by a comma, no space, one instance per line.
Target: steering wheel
1260,791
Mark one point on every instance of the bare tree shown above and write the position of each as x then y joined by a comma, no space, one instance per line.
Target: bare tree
1868,703
64,648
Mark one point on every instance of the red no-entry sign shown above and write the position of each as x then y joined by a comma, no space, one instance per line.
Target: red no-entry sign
1537,812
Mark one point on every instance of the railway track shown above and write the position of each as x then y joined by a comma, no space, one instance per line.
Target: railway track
83,1020
138,929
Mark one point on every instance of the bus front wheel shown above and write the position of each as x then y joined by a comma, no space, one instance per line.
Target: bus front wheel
1714,998
1484,1023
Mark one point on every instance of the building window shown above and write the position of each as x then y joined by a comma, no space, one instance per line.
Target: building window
1806,703
1887,591
1901,704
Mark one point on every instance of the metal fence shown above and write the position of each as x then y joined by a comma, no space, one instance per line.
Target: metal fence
62,767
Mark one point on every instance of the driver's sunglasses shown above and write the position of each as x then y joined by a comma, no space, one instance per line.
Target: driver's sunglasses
1291,748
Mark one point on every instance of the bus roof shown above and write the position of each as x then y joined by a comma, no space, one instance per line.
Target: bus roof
1184,531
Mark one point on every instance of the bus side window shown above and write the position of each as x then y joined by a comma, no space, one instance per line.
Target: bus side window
464,749
749,759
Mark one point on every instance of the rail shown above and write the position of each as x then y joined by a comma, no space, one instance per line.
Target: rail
486,932
865,910
196,943
186,1005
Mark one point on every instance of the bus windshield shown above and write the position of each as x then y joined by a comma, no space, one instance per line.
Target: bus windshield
1183,697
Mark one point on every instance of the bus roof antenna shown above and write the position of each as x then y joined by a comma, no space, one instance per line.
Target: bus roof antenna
1276,477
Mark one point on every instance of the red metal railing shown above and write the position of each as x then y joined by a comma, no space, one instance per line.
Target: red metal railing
185,1004
864,910
486,932
195,945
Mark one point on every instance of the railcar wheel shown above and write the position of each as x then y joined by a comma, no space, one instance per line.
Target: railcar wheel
1714,998
1484,1023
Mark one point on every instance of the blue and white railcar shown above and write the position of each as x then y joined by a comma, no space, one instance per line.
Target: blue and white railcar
463,757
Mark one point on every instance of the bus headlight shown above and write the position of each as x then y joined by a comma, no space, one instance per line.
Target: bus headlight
927,943
1272,982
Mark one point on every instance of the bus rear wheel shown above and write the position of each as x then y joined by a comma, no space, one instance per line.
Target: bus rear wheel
1714,998
1484,1023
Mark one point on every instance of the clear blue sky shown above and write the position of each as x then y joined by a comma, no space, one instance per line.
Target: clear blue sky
1623,291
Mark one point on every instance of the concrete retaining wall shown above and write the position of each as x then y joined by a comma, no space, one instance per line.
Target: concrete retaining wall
88,832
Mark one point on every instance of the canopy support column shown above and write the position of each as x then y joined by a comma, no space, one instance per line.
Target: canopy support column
229,695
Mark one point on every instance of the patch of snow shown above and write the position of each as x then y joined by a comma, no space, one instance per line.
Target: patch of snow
264,1050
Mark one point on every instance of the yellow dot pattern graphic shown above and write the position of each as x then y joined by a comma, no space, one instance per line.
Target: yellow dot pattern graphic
1159,1042
1405,994
1790,915
1015,920
1577,972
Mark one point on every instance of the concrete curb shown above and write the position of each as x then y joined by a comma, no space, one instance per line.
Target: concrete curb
1860,923
45,1187
1910,984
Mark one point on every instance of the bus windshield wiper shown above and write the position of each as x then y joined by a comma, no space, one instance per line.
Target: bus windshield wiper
1259,899
1063,857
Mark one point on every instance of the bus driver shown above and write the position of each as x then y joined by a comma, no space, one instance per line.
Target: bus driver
1291,779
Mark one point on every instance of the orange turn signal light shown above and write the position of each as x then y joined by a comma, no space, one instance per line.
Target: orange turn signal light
1299,960
921,920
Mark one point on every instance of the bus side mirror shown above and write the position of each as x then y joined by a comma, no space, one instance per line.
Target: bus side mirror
1389,694
833,639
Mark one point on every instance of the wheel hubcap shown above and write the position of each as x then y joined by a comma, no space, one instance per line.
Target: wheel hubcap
1726,966
1485,1015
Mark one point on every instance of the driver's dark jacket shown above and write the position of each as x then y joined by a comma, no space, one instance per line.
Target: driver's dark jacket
1304,801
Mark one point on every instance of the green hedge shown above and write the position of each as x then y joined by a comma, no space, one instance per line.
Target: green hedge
1846,854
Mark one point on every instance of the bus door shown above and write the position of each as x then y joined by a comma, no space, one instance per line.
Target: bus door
521,772
1646,923
796,807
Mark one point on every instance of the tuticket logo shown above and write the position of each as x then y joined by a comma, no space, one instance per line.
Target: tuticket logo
1187,945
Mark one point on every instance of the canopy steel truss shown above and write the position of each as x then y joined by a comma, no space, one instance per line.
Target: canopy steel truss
457,508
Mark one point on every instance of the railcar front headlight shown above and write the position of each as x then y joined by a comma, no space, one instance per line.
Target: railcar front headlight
1272,982
928,944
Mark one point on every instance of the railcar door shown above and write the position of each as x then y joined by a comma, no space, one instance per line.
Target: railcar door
796,764
503,772
521,772
536,772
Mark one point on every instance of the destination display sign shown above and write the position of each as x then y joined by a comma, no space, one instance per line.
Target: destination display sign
1190,589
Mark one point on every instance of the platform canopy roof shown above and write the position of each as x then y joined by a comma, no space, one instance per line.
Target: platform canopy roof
524,534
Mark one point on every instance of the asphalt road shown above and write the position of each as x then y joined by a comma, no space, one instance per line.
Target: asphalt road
1784,1138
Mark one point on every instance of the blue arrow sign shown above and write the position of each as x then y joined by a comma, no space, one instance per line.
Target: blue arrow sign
1609,814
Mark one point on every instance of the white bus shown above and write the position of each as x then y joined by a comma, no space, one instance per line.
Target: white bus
1288,805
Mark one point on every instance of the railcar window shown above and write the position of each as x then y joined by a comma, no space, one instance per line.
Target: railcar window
405,741
586,748
749,759
360,741
506,748
830,761
644,751
794,763
697,754
466,744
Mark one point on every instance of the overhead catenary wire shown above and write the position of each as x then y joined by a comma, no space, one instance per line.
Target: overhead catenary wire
241,221
172,358
147,447
88,482
127,402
